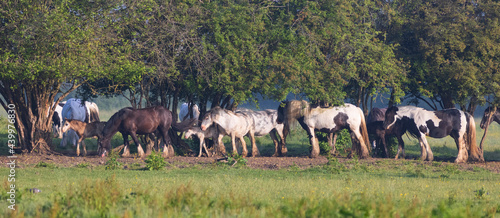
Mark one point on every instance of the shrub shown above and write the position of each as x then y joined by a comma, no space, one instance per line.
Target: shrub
46,165
155,161
343,143
236,160
112,161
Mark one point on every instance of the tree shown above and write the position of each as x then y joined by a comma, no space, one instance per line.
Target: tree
452,47
51,48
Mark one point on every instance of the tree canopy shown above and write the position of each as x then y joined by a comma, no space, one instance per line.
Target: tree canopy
227,52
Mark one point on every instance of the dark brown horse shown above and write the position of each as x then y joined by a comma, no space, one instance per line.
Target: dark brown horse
375,126
495,117
129,121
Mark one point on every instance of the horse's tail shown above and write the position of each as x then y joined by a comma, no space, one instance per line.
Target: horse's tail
474,153
364,130
94,113
184,125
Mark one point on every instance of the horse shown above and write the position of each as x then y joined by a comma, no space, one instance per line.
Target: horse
84,130
328,120
73,109
265,123
184,111
485,120
210,132
375,127
234,124
437,124
130,121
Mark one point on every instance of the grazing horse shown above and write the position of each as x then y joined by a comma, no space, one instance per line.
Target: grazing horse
234,124
495,117
129,121
84,130
265,123
375,127
211,132
77,110
437,124
184,111
328,120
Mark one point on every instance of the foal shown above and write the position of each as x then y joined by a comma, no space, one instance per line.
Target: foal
211,132
84,130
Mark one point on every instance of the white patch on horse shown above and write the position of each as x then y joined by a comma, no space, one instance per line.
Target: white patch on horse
463,123
419,115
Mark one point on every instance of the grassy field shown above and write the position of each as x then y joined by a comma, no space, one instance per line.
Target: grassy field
384,188
411,189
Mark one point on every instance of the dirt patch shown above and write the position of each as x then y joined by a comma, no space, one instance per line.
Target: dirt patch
268,163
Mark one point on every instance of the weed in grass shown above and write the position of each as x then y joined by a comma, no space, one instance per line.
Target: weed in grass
334,166
155,161
236,160
82,165
451,169
46,165
112,161
481,193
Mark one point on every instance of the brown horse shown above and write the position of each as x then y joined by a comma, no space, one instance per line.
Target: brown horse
495,117
129,121
83,130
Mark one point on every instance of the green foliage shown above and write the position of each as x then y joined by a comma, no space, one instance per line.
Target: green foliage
155,161
343,143
236,160
83,165
112,162
46,165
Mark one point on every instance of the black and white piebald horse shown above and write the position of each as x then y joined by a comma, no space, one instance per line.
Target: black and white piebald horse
437,124
494,117
328,120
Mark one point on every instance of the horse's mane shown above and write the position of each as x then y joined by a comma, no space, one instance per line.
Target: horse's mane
295,109
113,122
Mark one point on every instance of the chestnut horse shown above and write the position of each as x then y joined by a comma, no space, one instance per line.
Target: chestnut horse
129,121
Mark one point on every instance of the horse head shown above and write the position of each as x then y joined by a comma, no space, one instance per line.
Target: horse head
485,121
390,117
210,117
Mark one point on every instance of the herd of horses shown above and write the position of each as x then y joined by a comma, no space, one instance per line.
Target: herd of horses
219,122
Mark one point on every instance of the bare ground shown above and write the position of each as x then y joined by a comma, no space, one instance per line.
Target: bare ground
267,163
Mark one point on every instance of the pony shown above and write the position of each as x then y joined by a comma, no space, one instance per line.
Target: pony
75,109
328,120
184,111
485,120
437,124
211,132
130,121
265,122
234,124
84,130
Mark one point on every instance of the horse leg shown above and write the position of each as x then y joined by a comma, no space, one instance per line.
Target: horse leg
462,150
384,143
401,147
362,145
277,149
255,150
314,143
430,156
220,148
331,136
126,151
283,134
244,151
139,147
84,147
78,148
202,141
233,143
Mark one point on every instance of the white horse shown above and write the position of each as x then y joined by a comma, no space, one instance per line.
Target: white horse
328,120
210,132
73,109
234,124
184,112
265,122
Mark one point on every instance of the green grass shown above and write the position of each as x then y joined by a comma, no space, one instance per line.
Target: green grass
408,188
